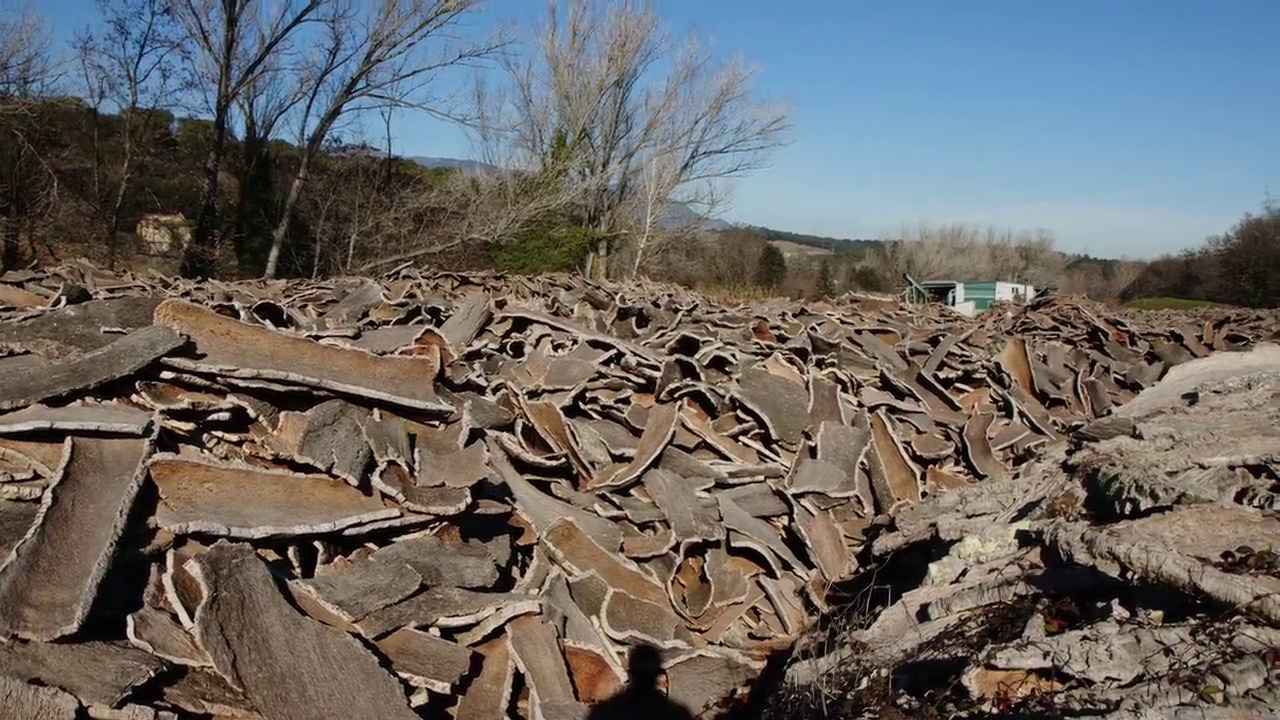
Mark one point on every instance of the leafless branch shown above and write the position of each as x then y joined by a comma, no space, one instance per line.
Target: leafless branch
128,65
234,43
370,55
965,252
619,93
26,54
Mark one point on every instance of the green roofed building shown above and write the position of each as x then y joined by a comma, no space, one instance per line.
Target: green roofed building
968,297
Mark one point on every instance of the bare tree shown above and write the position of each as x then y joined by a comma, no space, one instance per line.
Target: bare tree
26,54
262,111
655,186
373,53
232,42
468,209
28,185
128,66
964,252
622,94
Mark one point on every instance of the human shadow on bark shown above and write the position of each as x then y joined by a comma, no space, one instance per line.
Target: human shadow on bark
642,698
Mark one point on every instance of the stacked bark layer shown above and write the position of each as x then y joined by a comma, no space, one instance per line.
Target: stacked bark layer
1133,574
471,495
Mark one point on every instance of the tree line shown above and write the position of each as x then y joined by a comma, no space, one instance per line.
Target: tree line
1239,267
268,126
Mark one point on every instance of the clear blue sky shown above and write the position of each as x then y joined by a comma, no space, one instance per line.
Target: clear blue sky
1129,127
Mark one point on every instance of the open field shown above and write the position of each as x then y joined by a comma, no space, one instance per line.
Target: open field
474,496
1168,303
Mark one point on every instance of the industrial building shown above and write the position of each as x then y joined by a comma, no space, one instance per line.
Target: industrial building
968,297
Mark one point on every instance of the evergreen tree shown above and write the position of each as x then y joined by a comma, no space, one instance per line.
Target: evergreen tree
826,286
772,268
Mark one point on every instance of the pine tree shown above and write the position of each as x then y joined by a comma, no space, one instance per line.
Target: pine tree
826,286
772,268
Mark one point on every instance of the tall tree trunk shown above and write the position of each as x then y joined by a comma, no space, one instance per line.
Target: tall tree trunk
286,215
9,253
199,259
113,216
255,213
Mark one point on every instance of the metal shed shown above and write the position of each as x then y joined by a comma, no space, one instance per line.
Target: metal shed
967,296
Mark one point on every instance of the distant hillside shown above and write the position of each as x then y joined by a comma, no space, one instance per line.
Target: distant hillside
679,214
466,166
812,244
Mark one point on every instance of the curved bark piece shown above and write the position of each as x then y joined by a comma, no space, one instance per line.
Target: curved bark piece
574,549
894,479
489,694
512,311
690,519
425,660
978,448
95,672
202,496
73,329
825,405
702,679
594,668
289,666
32,702
547,418
757,532
155,631
50,579
16,297
658,431
1013,360
469,316
626,618
448,607
825,542
102,418
31,384
459,469
782,405
205,692
543,511
536,649
240,350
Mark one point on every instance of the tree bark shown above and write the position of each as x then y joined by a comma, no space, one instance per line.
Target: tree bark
286,216
199,258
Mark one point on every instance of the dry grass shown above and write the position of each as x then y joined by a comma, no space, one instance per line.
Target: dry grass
739,292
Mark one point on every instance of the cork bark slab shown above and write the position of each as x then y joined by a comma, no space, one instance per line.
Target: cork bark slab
51,578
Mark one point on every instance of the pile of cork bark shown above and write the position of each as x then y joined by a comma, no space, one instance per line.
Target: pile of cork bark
470,496
1131,573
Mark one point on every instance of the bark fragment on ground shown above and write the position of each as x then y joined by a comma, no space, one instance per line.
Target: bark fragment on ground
1107,579
482,492
95,672
289,666
33,702
240,350
202,496
50,578
25,386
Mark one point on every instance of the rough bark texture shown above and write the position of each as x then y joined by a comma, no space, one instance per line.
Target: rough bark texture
473,496
51,577
289,666
1123,575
